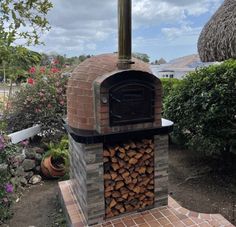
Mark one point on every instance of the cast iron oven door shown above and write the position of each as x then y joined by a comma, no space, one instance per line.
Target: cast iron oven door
131,102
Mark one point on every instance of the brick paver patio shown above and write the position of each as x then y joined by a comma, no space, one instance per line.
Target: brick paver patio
171,215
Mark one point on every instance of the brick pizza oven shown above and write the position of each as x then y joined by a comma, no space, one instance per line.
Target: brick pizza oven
118,140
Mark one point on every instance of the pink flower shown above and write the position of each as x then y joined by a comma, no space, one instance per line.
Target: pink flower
2,143
62,102
49,106
24,142
32,70
54,70
41,94
9,188
30,81
42,69
55,61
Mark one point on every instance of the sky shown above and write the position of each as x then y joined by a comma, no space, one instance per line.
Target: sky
161,28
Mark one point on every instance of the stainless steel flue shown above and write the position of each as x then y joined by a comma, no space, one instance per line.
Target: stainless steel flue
125,33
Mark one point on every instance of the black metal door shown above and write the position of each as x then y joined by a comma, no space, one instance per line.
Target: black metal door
131,103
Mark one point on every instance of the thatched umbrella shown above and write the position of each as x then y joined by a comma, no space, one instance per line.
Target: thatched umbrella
217,41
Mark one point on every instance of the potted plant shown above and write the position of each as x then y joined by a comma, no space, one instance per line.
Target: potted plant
56,160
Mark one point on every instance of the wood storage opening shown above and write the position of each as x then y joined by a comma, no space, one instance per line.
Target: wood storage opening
128,176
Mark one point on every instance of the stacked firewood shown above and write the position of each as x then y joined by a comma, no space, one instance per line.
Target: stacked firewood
128,176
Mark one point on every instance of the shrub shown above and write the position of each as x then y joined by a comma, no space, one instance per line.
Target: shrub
6,188
203,108
169,84
43,102
59,152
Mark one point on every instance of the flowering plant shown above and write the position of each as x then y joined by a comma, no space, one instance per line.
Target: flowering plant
42,103
6,197
9,188
40,71
6,189
32,70
3,148
2,143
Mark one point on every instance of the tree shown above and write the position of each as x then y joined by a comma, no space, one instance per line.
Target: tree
72,61
18,62
45,61
141,56
160,61
203,108
83,57
23,20
21,59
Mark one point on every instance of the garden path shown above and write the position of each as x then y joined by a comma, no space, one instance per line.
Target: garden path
39,207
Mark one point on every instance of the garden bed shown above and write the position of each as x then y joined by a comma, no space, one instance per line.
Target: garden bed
203,184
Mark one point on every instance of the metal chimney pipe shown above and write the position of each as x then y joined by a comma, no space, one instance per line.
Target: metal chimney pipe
125,33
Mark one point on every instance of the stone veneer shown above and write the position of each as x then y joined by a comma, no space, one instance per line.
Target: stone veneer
161,169
87,177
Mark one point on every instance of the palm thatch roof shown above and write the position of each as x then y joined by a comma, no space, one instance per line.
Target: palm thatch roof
217,41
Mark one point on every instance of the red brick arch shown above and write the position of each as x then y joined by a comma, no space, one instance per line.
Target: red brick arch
80,91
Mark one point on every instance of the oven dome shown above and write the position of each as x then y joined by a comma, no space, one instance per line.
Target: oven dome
80,93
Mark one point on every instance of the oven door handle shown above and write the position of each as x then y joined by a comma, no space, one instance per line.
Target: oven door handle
117,100
115,115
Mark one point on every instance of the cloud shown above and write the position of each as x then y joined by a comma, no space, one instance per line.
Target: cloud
183,31
154,12
149,12
80,26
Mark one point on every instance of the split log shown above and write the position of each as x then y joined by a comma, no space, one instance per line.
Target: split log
114,160
138,156
116,194
107,177
133,161
131,153
115,166
113,175
122,150
128,176
119,184
106,153
112,152
121,155
113,203
119,178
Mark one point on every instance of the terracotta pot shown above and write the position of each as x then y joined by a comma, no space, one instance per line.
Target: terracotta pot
49,170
